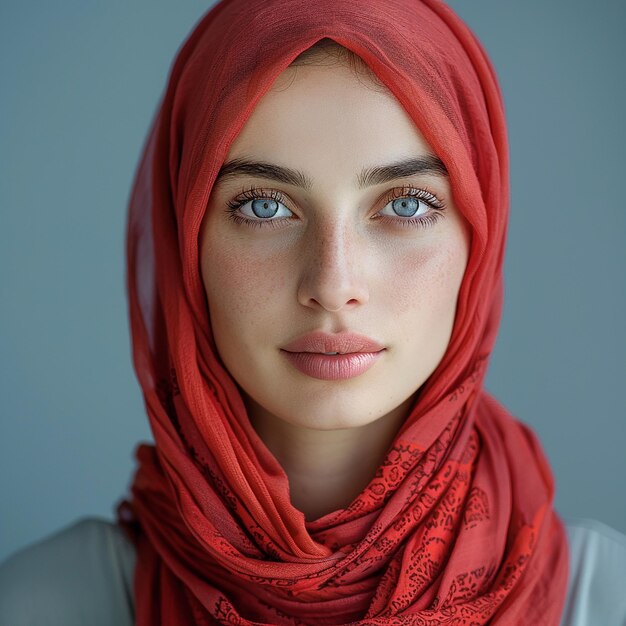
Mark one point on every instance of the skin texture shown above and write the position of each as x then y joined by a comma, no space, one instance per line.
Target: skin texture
336,258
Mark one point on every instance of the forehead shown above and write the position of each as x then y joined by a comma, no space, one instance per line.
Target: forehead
327,118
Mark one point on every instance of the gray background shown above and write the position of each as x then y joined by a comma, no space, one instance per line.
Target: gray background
80,82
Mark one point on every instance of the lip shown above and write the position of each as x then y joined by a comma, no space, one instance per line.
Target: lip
356,354
343,342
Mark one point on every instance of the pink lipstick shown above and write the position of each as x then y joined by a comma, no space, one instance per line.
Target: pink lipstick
333,356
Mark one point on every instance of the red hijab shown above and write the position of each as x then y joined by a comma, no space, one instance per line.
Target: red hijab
457,526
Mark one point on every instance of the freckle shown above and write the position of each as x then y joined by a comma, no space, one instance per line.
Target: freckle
412,276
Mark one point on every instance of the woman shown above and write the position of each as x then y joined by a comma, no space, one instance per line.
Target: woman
315,246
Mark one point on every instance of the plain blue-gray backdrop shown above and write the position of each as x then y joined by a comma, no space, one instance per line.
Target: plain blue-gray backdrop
80,81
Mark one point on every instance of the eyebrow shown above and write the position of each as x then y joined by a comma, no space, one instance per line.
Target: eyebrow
426,164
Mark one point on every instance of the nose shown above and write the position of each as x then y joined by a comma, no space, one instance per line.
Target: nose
333,268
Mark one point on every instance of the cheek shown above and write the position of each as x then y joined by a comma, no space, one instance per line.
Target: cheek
426,280
424,315
242,287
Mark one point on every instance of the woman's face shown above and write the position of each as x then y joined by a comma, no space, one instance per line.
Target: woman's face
344,247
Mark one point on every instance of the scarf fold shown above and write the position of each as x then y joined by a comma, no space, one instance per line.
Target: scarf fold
457,526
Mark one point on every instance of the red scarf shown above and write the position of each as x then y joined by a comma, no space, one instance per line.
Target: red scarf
457,527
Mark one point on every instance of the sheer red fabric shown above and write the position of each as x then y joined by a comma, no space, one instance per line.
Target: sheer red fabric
457,526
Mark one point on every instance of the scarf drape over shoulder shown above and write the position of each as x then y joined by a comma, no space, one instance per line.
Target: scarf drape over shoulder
457,526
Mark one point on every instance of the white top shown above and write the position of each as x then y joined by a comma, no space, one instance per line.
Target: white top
82,575
596,594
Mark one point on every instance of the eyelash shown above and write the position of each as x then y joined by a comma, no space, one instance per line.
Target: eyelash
256,193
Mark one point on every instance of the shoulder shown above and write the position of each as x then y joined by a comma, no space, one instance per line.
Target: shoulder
597,578
81,574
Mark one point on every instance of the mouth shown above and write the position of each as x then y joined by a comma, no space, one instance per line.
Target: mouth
337,356
333,343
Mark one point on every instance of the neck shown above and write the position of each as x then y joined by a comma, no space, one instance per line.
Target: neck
327,469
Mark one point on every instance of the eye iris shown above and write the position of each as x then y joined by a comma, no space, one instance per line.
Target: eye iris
406,207
265,207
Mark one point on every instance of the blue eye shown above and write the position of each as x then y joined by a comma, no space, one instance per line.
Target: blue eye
411,207
264,208
260,206
407,201
405,207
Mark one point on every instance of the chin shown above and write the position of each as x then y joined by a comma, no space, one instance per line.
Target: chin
333,421
334,411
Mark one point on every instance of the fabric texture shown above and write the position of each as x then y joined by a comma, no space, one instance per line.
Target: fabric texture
457,526
83,574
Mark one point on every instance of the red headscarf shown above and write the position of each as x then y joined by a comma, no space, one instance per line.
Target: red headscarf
457,526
